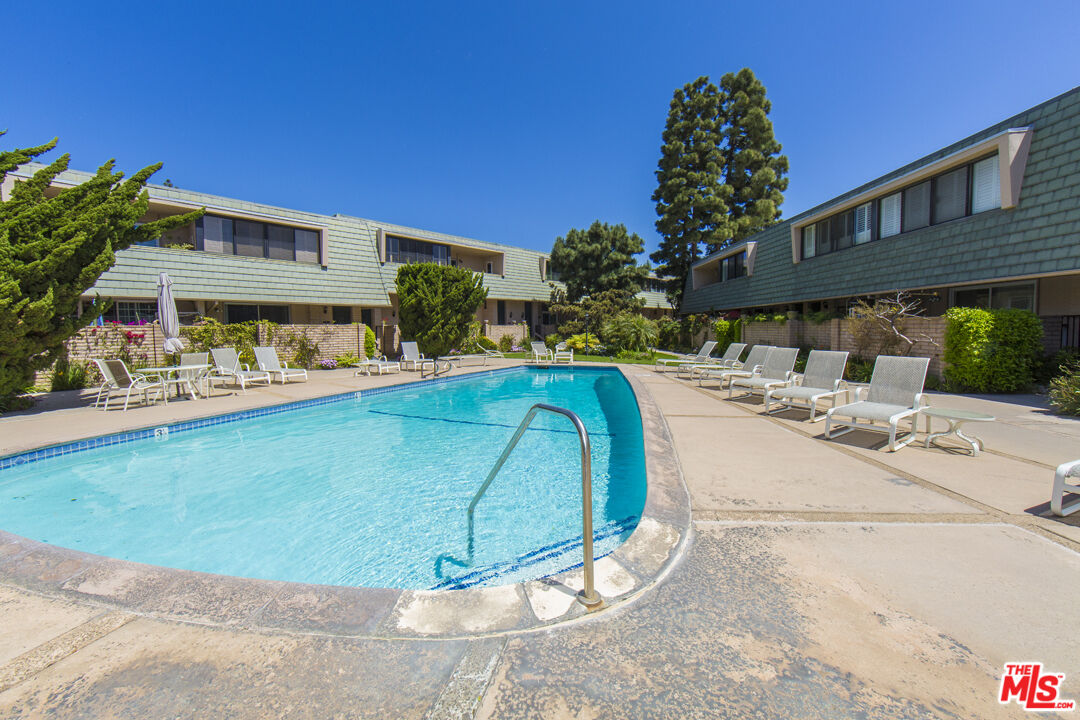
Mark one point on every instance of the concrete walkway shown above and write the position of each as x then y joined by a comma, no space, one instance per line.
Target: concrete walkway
823,580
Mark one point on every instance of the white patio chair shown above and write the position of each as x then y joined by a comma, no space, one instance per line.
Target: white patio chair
777,370
540,353
700,358
116,377
895,393
227,367
754,360
379,364
1063,483
563,353
190,379
411,356
730,359
823,378
267,359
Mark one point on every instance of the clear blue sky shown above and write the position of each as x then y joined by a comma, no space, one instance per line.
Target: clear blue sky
508,121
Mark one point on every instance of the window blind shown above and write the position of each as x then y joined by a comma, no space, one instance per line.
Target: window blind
890,215
917,206
986,185
863,232
950,195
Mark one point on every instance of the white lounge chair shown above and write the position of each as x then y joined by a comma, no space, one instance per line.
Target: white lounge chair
895,393
754,360
775,371
540,353
192,378
413,359
1063,483
823,378
563,353
267,359
730,359
700,358
227,367
378,364
116,377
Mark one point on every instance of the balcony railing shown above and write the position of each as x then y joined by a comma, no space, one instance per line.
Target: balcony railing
406,258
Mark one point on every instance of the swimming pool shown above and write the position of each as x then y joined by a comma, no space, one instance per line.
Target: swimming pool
365,492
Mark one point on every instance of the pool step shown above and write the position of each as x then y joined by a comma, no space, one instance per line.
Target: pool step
563,550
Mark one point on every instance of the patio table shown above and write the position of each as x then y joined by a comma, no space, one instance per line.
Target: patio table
956,419
186,375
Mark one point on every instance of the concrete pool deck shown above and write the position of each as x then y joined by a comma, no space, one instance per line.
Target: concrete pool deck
822,579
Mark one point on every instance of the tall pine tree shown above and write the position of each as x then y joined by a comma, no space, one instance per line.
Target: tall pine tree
690,197
721,176
754,169
598,259
53,248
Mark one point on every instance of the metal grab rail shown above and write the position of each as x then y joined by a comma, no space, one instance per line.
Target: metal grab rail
435,371
588,597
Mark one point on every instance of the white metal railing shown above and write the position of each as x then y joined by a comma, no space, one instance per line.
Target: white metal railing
588,596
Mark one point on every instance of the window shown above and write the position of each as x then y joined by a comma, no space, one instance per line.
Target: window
489,268
985,185
733,266
824,239
249,238
890,215
950,195
960,192
916,212
280,242
842,230
1017,296
128,313
808,241
863,223
307,246
247,313
214,234
342,315
408,250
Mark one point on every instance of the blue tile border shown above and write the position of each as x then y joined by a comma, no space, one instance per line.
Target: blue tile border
30,456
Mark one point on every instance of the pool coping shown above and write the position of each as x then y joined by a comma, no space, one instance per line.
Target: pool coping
291,607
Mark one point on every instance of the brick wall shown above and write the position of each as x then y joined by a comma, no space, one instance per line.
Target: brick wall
333,340
518,332
834,335
143,343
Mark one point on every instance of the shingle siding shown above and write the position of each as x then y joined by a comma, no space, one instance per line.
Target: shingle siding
1038,236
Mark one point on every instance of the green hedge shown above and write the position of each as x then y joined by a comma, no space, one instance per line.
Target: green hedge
991,350
726,332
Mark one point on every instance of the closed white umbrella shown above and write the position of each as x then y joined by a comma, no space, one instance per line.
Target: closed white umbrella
166,309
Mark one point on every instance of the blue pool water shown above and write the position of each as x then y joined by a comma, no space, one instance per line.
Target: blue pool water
366,492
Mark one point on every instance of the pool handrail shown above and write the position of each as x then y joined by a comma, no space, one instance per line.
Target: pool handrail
588,596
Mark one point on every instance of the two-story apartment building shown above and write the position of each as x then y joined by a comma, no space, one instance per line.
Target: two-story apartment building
246,261
992,220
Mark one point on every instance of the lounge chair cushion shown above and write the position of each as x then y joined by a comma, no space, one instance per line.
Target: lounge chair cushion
867,410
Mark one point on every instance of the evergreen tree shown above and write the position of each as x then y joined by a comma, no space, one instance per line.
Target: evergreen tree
53,249
754,169
721,176
690,197
436,303
598,259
